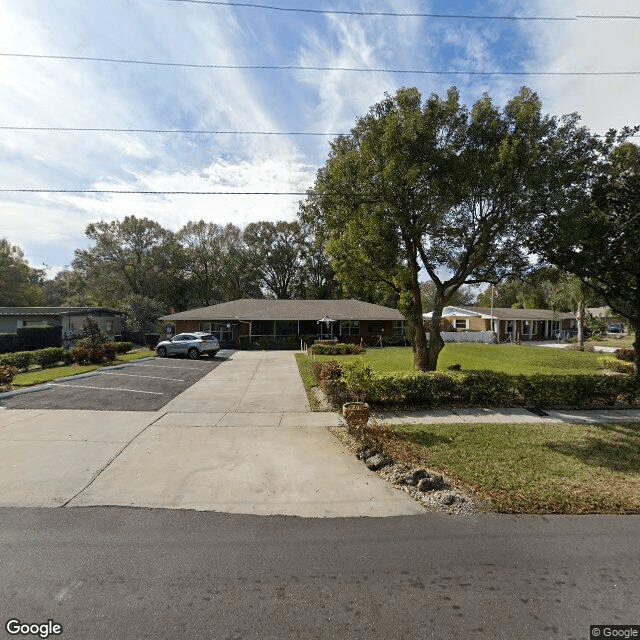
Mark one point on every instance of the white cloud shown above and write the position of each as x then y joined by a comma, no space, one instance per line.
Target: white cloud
589,45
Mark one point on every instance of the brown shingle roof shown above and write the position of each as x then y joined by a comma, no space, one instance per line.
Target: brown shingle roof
249,309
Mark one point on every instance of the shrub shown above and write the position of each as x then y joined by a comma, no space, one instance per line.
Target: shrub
628,354
7,373
326,370
122,347
48,357
336,349
19,359
486,388
93,355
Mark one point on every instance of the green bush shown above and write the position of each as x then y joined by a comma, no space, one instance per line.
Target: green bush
339,349
122,347
18,359
485,388
48,357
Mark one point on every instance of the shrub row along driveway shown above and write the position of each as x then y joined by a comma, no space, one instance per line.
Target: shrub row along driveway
145,385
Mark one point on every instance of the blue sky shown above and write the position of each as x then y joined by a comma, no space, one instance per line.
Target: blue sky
88,94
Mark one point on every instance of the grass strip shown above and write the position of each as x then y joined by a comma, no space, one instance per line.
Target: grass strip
39,376
308,379
531,468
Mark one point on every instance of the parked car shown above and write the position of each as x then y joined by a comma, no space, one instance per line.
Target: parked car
192,345
614,327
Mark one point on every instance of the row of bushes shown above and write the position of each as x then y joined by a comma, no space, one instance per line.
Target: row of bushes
30,338
50,356
337,349
356,381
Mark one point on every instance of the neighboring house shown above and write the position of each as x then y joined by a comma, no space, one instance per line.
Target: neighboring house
70,319
348,320
510,324
608,317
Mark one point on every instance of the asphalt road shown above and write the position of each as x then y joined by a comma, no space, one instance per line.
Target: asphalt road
133,573
144,385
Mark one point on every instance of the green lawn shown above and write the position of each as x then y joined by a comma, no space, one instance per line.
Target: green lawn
509,358
38,376
619,343
531,468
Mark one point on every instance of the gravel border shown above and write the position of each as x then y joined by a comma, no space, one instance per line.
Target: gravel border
450,499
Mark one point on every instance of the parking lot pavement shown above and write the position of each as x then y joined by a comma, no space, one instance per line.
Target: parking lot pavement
143,385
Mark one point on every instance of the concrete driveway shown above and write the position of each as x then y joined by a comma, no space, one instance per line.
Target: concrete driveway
241,440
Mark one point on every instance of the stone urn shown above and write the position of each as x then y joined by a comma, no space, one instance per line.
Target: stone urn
356,414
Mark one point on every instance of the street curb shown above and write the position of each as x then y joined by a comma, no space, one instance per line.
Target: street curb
19,392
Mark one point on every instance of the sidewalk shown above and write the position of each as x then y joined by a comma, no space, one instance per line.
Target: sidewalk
241,440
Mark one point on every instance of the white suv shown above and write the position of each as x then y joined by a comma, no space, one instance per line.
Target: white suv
189,344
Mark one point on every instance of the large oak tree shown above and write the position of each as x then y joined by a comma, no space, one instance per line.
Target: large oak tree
439,187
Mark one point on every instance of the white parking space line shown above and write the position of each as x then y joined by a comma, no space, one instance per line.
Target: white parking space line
164,366
81,386
138,375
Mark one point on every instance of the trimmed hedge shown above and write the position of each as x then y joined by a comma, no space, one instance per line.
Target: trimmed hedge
52,355
48,357
30,338
338,349
19,359
481,388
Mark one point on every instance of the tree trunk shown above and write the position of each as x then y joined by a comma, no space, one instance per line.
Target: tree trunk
580,316
436,343
636,343
421,359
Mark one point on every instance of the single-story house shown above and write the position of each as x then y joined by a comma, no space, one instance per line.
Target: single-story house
608,316
347,320
69,318
510,324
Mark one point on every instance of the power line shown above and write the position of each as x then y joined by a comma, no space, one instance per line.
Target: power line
181,131
312,68
172,193
372,13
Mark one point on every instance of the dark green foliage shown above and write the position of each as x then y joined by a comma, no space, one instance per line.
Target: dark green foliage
48,357
339,349
19,359
486,388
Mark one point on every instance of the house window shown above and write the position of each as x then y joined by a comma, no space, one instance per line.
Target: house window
461,324
398,327
349,327
376,327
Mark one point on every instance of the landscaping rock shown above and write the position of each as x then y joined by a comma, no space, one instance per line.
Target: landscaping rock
447,498
366,452
415,476
377,462
431,483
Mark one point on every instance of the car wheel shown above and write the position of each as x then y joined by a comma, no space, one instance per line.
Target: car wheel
162,352
194,354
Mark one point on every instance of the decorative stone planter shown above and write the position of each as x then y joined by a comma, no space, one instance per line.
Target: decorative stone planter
356,414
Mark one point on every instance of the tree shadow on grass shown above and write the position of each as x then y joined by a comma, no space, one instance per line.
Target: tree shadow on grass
423,438
619,450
